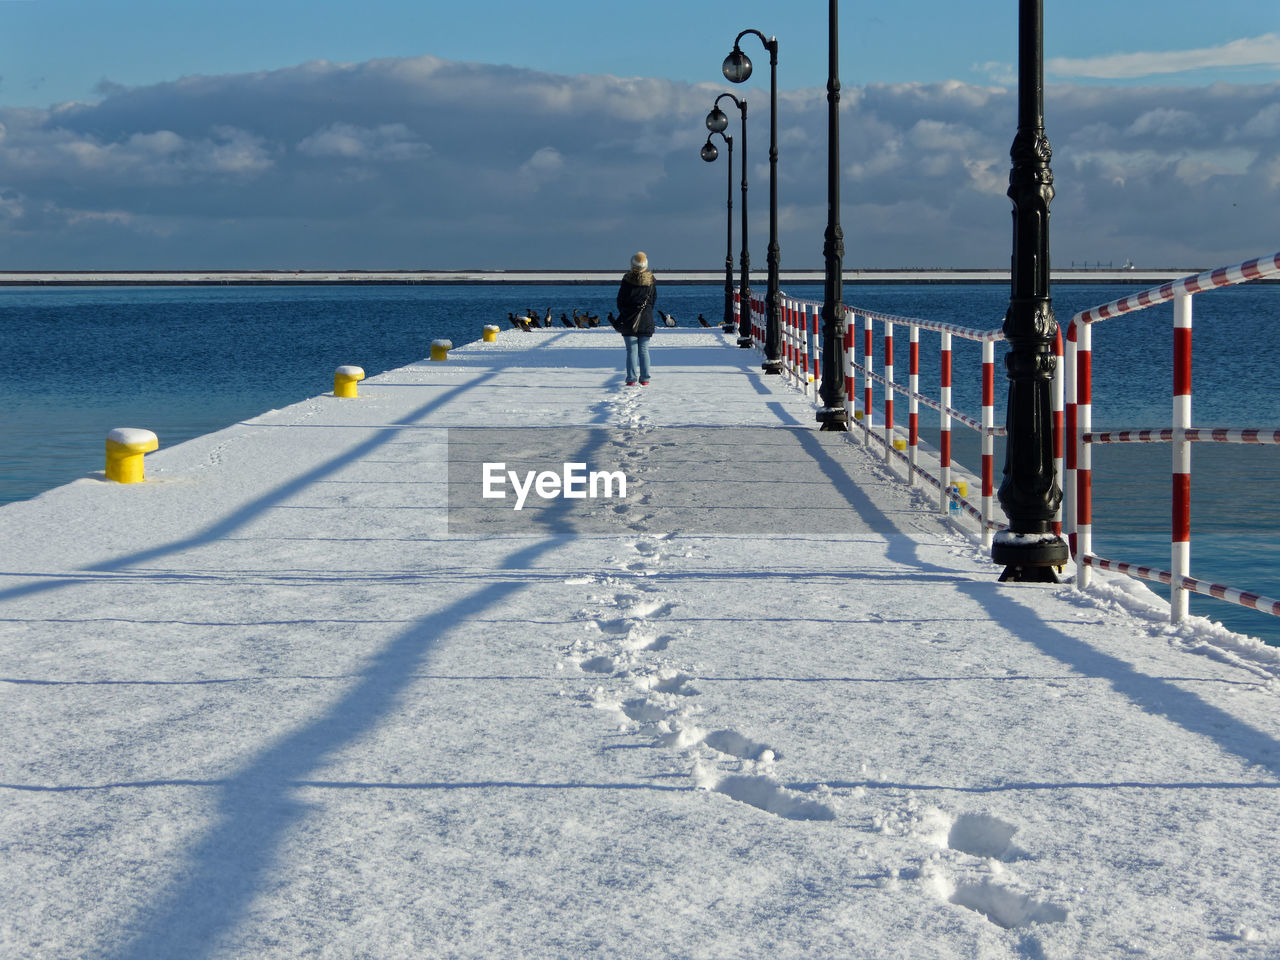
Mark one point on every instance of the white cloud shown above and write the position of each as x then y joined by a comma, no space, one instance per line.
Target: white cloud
161,156
347,141
1271,170
544,166
1265,124
1262,51
997,72
11,207
233,151
1195,167
327,165
1166,122
938,136
987,176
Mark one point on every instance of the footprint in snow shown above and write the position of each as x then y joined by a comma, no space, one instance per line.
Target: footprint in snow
990,838
647,609
601,664
982,835
668,681
643,710
733,744
639,641
1002,905
765,793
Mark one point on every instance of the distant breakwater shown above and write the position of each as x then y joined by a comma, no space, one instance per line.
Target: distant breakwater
86,278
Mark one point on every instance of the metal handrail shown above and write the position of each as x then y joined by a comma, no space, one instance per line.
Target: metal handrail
1079,466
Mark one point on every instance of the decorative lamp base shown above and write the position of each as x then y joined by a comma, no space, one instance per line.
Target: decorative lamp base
1029,558
833,420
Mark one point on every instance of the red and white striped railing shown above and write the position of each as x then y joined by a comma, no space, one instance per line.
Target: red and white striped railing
805,335
799,336
1079,403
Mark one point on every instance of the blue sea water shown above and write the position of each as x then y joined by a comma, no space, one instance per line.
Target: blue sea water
184,361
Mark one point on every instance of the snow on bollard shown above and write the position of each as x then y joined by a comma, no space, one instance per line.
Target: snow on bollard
490,333
345,379
440,349
125,447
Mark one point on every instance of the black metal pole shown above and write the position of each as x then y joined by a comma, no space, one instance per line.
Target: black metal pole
716,123
773,298
832,414
744,256
737,69
1029,492
727,322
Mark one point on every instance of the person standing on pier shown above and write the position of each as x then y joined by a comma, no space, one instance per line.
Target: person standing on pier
636,296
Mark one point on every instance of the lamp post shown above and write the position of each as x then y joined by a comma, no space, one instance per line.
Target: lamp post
832,414
709,154
737,68
716,123
1029,493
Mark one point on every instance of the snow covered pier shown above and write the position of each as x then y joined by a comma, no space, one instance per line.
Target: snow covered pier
308,692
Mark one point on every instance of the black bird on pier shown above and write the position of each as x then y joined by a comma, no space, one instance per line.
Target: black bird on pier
546,321
703,321
565,321
520,323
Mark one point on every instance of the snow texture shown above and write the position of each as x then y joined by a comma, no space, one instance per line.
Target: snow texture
264,705
131,436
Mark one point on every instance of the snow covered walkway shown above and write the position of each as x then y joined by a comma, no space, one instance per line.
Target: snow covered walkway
306,693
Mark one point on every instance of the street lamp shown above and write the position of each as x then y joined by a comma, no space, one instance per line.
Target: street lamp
709,154
1029,493
737,68
716,123
832,414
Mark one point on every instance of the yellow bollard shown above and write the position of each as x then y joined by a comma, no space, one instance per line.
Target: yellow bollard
345,379
490,333
440,349
125,447
962,488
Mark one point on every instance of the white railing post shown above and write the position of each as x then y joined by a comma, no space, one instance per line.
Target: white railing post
850,382
944,433
1059,441
1180,537
988,438
868,352
1070,438
913,405
1084,453
888,391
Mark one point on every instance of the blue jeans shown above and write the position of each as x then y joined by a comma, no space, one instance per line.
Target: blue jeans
637,357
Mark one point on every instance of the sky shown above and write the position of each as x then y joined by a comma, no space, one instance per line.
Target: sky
138,134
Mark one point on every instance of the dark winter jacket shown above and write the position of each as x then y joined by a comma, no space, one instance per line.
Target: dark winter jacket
636,297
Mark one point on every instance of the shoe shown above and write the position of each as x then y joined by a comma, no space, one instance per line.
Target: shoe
644,383
631,383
